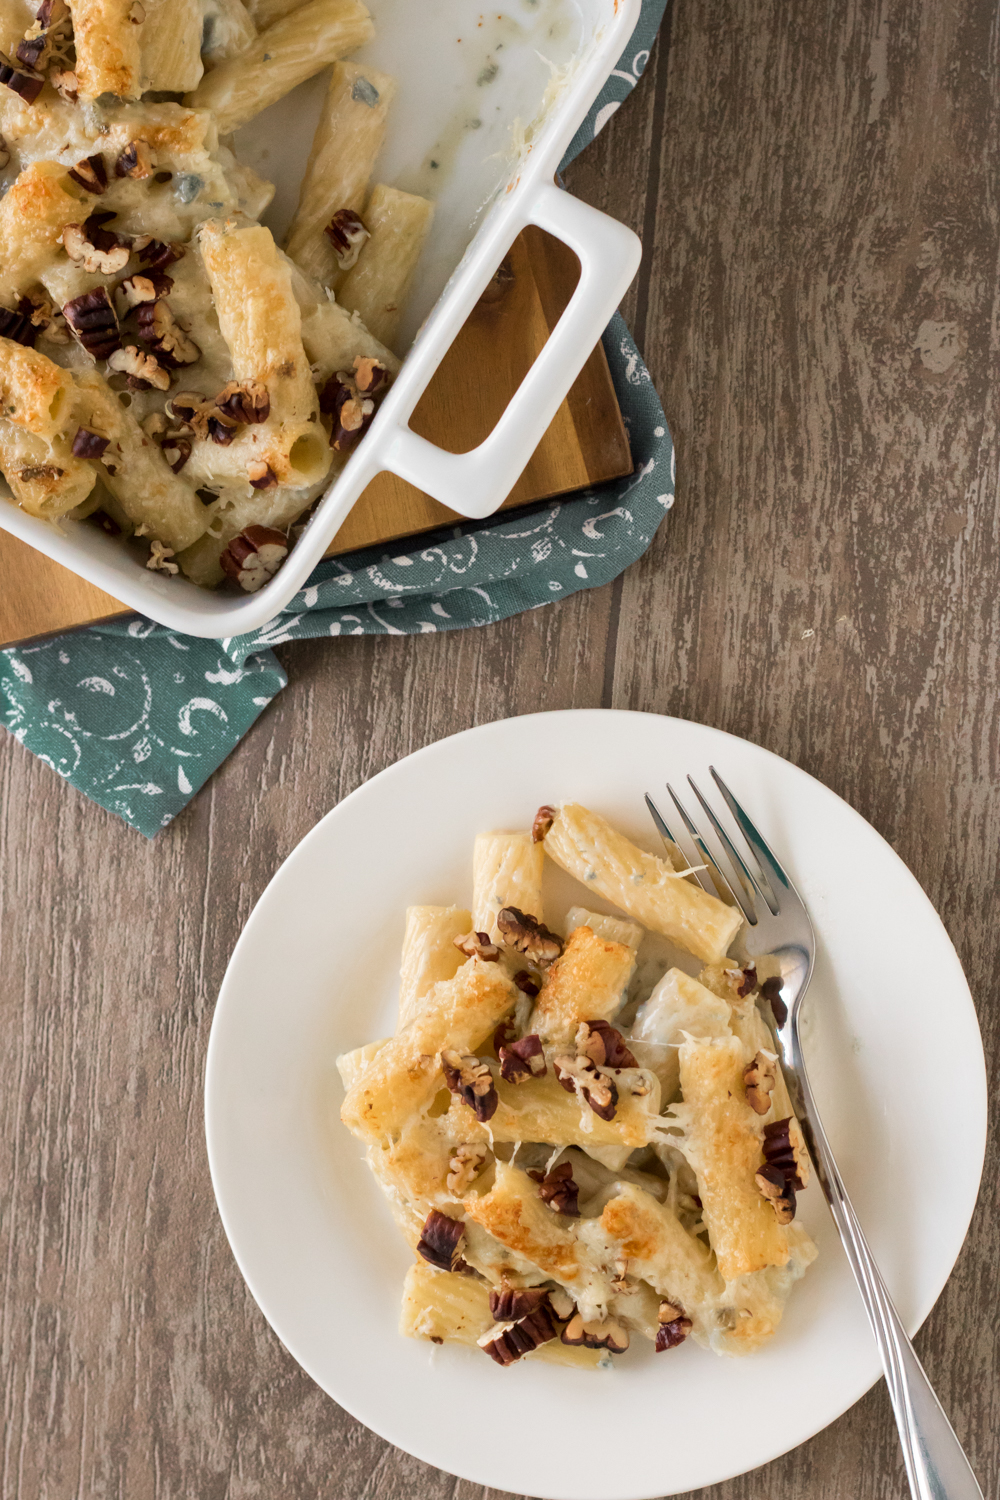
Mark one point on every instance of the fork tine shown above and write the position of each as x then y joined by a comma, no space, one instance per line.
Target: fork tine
753,888
772,871
723,886
674,850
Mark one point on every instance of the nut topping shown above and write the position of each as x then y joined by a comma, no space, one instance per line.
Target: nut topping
440,1241
254,556
88,444
177,451
674,1326
94,248
39,471
544,818
370,374
472,1081
759,1078
579,1075
558,1189
779,1192
136,161
65,83
91,174
527,983
27,85
604,1045
92,318
464,1165
156,255
160,330
522,1060
347,234
18,326
477,944
527,935
158,555
145,286
143,370
351,411
509,1303
606,1334
505,1033
260,474
246,403
508,1341
785,1147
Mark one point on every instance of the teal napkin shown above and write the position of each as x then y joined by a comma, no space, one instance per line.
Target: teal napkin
138,717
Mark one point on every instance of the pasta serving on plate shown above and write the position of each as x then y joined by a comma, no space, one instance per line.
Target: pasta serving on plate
575,1155
166,369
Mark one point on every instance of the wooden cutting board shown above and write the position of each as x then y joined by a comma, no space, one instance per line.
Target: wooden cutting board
586,443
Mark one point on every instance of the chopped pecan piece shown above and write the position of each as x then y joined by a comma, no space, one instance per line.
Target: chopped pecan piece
65,83
771,991
347,234
471,1080
759,1078
27,85
673,1326
254,556
145,286
260,474
605,1334
509,1303
478,945
527,935
544,818
579,1075
156,255
522,1060
88,444
143,370
604,1045
527,982
158,558
245,403
370,374
177,451
560,1192
785,1147
135,161
164,335
91,174
50,13
18,326
440,1241
778,1190
351,412
464,1166
507,1342
39,471
95,248
505,1033
92,318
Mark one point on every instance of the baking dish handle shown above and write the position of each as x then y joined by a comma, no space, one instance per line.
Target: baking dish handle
477,482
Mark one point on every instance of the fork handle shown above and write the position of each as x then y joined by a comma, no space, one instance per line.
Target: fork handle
936,1465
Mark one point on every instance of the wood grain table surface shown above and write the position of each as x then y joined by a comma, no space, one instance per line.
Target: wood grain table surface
817,189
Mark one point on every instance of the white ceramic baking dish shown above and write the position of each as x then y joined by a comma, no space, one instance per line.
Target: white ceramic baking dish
487,105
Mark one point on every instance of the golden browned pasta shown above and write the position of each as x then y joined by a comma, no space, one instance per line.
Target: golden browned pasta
645,887
460,1013
45,478
588,982
429,954
107,35
34,392
723,1144
33,212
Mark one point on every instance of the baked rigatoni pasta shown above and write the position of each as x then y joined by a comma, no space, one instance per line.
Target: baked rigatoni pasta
376,288
347,142
641,884
578,1155
286,54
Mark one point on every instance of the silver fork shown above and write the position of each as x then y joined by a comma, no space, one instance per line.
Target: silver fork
779,927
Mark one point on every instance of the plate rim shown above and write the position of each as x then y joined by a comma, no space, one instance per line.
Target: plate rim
228,987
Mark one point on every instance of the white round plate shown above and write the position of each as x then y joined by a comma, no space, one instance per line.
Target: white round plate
315,974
